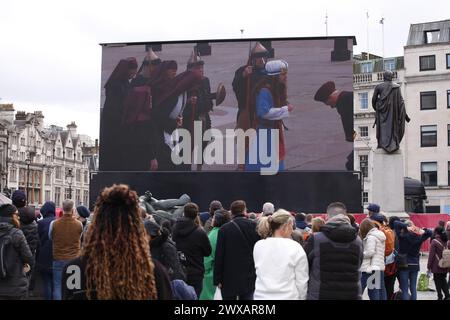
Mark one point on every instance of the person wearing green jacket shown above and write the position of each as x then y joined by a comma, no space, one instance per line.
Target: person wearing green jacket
220,217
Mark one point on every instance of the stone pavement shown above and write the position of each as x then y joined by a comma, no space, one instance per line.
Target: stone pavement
421,295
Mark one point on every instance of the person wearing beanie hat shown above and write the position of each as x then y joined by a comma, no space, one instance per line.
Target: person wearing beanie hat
373,208
82,214
13,281
220,217
193,242
19,199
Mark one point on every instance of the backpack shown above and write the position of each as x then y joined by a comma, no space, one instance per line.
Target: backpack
444,262
7,255
390,240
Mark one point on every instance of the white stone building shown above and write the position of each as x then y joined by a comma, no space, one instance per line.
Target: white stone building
427,76
46,162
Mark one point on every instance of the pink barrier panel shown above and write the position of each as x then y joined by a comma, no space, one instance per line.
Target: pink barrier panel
425,220
428,221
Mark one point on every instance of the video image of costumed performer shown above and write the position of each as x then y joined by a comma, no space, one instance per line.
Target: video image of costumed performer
342,101
170,98
138,127
200,103
272,107
244,81
111,139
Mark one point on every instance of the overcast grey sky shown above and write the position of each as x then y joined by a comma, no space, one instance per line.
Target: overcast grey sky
50,59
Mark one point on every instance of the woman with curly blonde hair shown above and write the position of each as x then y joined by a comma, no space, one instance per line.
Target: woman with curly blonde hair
115,262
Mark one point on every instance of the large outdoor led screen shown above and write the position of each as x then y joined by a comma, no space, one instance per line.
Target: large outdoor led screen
269,106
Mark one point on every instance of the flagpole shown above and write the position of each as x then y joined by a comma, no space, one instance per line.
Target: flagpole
368,48
326,23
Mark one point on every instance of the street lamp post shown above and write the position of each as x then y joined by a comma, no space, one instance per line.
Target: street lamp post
28,162
69,177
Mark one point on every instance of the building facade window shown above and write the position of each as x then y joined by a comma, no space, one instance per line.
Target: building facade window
365,197
58,152
78,197
85,198
389,64
448,174
22,141
58,173
367,67
364,131
448,59
448,135
47,195
427,63
432,36
22,156
448,98
78,175
429,173
363,100
48,178
13,175
428,100
57,196
363,165
428,136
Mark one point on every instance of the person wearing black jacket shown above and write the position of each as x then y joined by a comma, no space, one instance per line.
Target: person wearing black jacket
164,250
44,259
29,228
193,242
234,267
13,284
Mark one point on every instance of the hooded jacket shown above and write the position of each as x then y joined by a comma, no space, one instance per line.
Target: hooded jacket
193,242
164,250
15,285
44,258
335,255
373,245
29,228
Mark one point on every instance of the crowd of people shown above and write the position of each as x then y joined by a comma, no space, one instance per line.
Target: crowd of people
121,252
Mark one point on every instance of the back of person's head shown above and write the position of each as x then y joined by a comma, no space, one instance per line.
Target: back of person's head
48,209
19,199
191,210
8,211
352,218
117,250
392,220
300,216
268,209
441,223
440,231
317,223
166,224
67,206
238,208
309,217
27,215
365,226
214,206
83,212
268,225
252,216
221,217
335,209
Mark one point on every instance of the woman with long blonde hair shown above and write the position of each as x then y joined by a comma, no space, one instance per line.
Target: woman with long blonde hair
282,271
115,262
